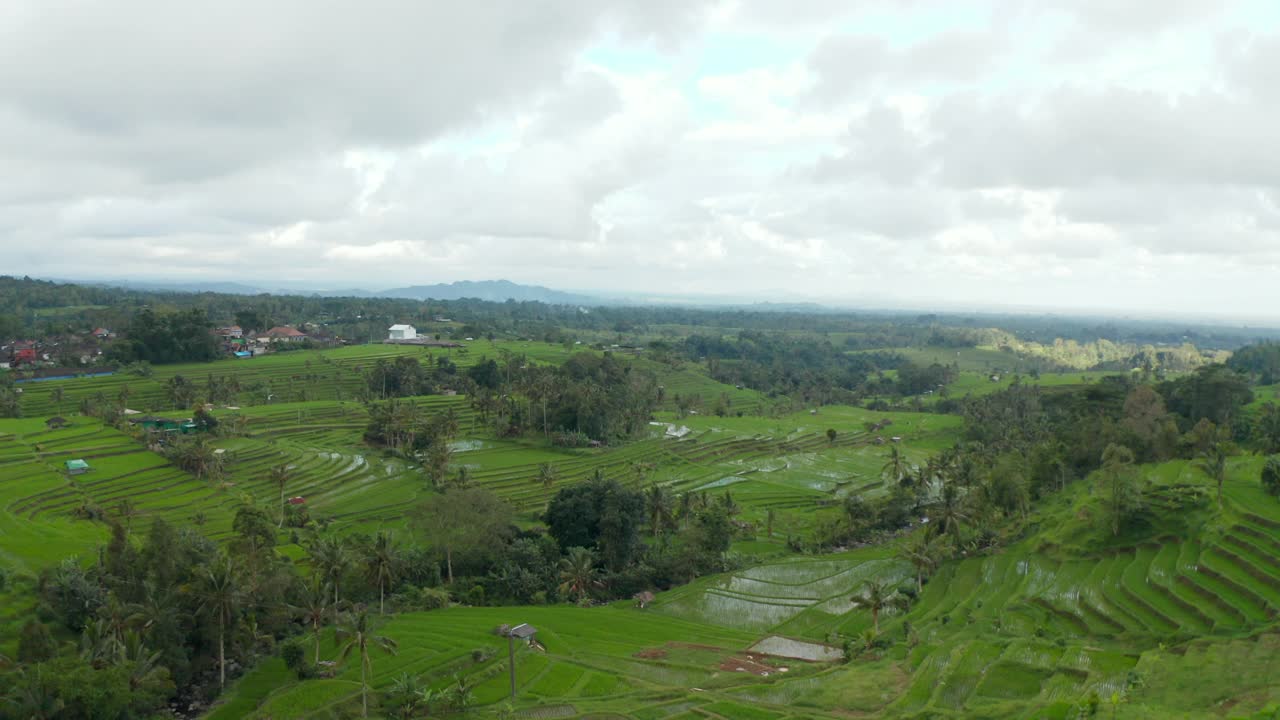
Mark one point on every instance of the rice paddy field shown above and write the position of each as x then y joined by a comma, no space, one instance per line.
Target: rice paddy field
1182,619
1179,627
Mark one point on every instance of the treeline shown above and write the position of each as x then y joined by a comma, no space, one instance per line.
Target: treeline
803,368
588,398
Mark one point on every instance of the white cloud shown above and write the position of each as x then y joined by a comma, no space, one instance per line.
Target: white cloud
874,150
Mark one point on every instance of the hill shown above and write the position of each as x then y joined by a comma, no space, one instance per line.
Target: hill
491,290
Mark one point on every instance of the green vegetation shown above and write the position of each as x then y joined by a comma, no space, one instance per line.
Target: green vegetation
707,521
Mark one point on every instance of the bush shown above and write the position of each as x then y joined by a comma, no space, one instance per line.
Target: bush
1271,476
293,654
425,598
480,655
35,644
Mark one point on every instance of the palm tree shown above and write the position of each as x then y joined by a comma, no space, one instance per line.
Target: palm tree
128,511
546,475
145,670
686,504
950,511
219,592
330,559
1213,464
895,466
280,476
878,597
924,554
380,565
658,503
358,637
314,604
578,572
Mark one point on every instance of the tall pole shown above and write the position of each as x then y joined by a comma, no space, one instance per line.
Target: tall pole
511,662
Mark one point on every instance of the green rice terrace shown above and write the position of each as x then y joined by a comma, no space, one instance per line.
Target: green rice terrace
832,561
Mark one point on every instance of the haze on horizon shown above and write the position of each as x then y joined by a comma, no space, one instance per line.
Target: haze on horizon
1100,154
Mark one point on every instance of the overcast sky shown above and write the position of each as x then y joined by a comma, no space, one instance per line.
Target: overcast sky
1116,154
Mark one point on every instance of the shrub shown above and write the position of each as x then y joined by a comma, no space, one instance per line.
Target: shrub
422,598
482,654
293,654
1271,476
35,644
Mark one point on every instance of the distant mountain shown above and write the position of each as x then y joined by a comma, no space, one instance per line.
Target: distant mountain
491,290
227,288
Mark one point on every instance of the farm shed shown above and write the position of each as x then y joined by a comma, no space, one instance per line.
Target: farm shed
402,332
77,467
55,422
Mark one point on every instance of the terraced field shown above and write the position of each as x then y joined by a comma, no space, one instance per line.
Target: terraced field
296,376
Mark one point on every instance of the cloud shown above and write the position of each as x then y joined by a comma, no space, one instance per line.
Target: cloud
877,150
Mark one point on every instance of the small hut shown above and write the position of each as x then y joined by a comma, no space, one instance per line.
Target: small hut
55,423
77,467
643,598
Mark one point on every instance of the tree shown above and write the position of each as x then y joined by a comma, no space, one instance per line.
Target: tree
950,511
599,514
895,466
1121,492
380,565
358,637
331,560
546,475
1213,463
877,597
280,477
197,457
219,593
924,553
578,573
313,604
659,506
56,397
1271,476
831,436
461,519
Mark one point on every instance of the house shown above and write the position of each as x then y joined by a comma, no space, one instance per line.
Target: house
234,332
297,500
282,333
55,422
77,467
103,333
402,332
23,352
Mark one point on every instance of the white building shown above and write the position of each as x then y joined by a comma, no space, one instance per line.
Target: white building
402,332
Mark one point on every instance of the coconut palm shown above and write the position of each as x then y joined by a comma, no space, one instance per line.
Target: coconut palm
1213,463
924,553
950,511
895,466
312,606
658,504
546,475
218,590
380,565
578,572
878,597
358,637
280,476
331,560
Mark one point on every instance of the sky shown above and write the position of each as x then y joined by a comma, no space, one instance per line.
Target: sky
1114,155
